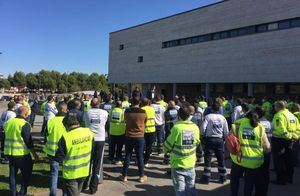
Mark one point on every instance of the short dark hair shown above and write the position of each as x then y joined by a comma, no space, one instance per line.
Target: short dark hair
11,105
50,97
184,112
70,120
260,111
215,107
135,101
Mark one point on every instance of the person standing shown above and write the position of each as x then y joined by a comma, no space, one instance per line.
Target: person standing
171,117
182,143
74,151
262,183
17,147
254,142
117,134
10,113
135,120
284,134
50,110
149,129
159,122
96,120
55,130
213,131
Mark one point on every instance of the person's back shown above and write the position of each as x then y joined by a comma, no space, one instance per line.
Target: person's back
214,125
182,143
95,119
159,113
135,119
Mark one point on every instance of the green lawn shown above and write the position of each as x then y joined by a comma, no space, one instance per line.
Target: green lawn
40,175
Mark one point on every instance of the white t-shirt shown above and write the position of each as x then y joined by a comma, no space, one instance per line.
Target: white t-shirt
159,113
6,116
96,119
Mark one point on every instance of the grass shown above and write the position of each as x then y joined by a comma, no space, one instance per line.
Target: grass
40,176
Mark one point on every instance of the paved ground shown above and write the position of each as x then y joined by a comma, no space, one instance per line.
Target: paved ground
159,183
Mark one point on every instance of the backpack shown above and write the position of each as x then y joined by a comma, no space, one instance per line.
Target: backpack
233,144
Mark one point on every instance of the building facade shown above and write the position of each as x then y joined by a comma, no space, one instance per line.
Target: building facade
233,47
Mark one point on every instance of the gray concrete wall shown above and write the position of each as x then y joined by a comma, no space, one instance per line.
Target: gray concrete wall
266,57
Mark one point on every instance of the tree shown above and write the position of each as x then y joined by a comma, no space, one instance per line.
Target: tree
19,79
32,81
62,88
4,83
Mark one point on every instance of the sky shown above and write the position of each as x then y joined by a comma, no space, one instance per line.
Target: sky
72,35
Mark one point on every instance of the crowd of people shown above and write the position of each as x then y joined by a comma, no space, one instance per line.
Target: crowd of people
183,131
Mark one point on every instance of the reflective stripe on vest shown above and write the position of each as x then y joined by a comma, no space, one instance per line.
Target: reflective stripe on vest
150,124
78,147
55,129
14,144
117,125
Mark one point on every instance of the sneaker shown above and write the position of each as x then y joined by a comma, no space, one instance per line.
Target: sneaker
118,163
204,180
222,179
123,178
143,179
147,165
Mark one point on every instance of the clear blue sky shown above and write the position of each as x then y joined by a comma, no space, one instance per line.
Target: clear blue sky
72,35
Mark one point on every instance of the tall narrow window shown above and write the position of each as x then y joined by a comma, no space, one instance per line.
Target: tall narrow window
140,59
121,47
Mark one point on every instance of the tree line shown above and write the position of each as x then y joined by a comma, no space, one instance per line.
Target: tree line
55,81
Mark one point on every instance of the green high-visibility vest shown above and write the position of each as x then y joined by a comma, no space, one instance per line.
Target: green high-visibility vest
150,124
163,103
251,146
285,124
78,155
87,105
14,144
55,129
182,143
117,125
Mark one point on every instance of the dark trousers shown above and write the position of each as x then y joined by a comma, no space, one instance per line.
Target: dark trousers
283,159
149,140
138,145
73,187
24,164
116,141
159,137
214,146
96,175
32,118
296,150
262,182
250,176
2,137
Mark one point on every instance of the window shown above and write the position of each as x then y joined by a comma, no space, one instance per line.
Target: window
284,25
294,88
279,89
140,59
234,33
246,31
295,22
220,88
238,88
224,35
194,40
259,89
261,28
121,47
216,36
273,26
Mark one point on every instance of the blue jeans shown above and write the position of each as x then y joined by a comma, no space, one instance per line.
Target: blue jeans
184,181
138,145
160,137
54,168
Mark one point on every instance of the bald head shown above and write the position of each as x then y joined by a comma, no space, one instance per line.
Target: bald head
171,104
23,111
95,103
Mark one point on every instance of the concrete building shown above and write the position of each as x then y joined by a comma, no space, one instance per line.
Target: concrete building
233,47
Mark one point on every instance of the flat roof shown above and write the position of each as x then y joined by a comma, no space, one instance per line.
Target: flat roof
202,7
